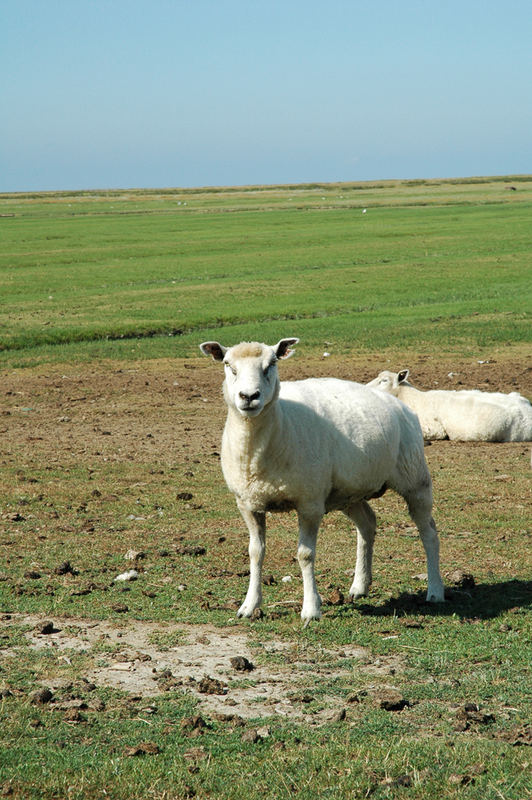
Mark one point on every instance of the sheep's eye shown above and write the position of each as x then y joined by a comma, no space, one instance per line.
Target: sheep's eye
233,370
267,369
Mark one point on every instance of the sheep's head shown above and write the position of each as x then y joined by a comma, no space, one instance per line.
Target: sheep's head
390,381
251,377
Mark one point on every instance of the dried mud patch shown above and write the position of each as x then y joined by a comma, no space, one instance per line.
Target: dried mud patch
280,677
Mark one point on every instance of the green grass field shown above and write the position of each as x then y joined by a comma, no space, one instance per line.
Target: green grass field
110,424
430,265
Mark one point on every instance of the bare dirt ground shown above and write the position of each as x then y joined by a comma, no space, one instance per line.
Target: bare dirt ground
218,666
170,412
170,409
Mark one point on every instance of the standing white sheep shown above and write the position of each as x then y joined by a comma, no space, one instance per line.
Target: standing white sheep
467,415
317,445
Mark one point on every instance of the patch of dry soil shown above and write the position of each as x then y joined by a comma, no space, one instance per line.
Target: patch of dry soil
207,662
171,410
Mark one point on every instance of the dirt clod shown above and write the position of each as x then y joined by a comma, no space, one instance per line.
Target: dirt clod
520,736
190,550
65,568
195,724
195,754
459,780
390,700
74,715
208,685
42,696
241,664
336,598
142,749
470,714
46,628
411,623
462,580
119,608
14,516
401,781
301,697
250,736
134,555
87,589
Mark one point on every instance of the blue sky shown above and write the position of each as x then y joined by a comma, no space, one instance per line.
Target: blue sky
154,93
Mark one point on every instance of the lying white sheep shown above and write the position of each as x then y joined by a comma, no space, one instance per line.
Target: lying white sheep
466,415
315,446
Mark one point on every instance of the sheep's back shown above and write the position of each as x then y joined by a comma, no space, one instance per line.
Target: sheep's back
349,419
350,407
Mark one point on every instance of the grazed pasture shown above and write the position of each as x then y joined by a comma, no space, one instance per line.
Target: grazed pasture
110,461
431,266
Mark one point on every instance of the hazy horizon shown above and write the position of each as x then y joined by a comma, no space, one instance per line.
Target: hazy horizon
266,186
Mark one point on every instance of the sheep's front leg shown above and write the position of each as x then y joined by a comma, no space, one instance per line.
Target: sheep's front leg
306,554
256,523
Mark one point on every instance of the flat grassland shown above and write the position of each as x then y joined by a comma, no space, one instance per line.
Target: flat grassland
110,424
443,266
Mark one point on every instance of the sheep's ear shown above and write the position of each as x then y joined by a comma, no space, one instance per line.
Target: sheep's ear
282,348
402,376
214,349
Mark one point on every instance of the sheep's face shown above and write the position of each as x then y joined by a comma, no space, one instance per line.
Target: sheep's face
251,381
389,381
251,376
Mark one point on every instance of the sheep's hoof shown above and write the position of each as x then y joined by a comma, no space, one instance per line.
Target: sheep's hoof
308,620
360,588
436,594
354,595
309,616
246,611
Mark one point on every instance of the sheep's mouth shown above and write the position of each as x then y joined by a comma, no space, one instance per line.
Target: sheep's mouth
250,410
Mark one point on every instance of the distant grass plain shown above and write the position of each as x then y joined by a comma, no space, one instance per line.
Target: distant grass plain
435,266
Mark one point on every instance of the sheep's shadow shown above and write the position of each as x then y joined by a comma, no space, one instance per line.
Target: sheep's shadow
482,601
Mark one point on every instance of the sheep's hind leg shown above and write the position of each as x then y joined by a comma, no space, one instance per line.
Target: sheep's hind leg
306,554
364,518
420,508
256,523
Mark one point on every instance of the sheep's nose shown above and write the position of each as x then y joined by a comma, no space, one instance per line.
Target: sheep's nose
248,398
